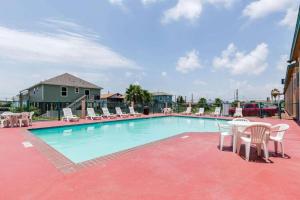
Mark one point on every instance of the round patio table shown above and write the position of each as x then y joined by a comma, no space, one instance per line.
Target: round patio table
237,126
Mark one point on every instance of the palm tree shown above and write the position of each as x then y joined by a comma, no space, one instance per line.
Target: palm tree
202,103
218,102
136,94
274,93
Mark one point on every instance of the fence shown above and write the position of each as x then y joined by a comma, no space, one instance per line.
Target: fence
53,110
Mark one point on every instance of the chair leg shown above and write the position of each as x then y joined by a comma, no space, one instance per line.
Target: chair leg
276,146
282,149
247,146
221,142
266,152
258,147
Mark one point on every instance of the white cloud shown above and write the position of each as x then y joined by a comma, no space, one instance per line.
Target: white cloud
189,62
191,9
116,2
63,48
254,62
282,63
262,8
164,74
290,18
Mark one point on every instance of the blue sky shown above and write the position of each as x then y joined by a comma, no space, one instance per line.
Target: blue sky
204,47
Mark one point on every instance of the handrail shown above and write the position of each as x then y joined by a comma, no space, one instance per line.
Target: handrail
76,101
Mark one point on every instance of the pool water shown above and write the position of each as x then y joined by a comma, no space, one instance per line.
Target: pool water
84,142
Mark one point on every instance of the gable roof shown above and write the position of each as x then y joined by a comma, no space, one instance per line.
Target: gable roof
68,80
109,95
161,94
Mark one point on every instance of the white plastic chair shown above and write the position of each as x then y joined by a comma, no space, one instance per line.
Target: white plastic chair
188,111
132,112
106,113
217,111
24,119
225,131
280,130
200,112
68,115
30,118
92,115
120,113
238,112
259,135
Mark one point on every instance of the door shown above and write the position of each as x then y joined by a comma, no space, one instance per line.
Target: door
87,93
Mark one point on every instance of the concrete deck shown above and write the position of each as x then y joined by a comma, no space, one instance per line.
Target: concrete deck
176,168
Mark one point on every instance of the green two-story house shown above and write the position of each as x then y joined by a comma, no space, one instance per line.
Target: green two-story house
61,90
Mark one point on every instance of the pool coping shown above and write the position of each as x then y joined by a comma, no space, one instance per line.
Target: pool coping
66,166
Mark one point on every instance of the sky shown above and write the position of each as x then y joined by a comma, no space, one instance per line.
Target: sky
207,48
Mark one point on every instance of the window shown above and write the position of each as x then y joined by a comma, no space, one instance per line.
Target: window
76,90
64,91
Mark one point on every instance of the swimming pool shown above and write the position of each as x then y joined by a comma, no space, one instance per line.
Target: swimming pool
88,141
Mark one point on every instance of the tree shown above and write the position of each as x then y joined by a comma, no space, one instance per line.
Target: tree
218,102
202,103
135,93
180,100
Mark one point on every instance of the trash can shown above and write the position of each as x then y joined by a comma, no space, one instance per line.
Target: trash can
146,110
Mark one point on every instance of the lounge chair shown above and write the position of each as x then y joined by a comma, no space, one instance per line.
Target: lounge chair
225,130
217,112
24,120
92,115
68,115
120,113
4,121
107,114
30,118
258,137
238,112
188,111
133,113
280,130
200,112
167,111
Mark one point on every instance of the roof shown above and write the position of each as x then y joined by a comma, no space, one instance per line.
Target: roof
109,95
161,94
68,80
296,37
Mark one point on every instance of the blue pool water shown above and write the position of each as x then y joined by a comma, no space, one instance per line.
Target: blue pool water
84,142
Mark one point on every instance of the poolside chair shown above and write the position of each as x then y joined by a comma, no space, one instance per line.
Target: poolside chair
107,114
120,113
4,121
167,111
68,115
133,113
217,112
225,130
24,119
259,135
280,130
200,112
92,115
238,112
188,111
30,118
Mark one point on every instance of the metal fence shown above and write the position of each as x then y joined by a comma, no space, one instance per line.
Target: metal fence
53,110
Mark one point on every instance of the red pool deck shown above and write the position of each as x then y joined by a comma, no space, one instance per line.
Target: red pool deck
176,168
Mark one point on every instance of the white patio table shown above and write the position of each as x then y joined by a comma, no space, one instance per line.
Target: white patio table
239,126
